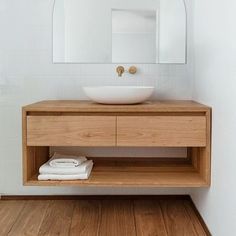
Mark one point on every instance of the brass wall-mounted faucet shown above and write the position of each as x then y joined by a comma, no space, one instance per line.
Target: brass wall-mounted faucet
120,70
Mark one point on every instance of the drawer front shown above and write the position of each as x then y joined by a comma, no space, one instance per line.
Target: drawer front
71,131
175,131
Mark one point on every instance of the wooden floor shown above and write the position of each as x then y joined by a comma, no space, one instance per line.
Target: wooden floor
99,217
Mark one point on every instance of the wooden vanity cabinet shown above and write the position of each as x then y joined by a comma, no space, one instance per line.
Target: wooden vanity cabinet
154,124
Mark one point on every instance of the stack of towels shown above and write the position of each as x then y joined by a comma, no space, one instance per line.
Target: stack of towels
65,167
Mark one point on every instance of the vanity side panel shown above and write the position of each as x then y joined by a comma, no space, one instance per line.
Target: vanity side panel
24,145
205,153
33,157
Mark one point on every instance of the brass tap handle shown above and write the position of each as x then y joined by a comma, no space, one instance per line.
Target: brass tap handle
132,70
120,70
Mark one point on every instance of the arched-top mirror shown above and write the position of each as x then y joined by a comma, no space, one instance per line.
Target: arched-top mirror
119,31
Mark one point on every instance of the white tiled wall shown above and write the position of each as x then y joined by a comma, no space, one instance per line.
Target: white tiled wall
28,75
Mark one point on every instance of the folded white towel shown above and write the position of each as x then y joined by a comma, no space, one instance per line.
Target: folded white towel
66,177
81,169
60,160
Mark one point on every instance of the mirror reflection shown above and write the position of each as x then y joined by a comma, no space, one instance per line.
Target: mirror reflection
119,31
134,36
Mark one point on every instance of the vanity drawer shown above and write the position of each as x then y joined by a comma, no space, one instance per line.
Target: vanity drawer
71,131
175,131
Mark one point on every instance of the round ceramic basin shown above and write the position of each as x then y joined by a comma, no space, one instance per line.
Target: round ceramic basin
119,94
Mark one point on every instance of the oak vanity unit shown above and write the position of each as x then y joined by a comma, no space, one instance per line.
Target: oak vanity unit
153,124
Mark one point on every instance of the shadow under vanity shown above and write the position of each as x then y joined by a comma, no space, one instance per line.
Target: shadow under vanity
177,124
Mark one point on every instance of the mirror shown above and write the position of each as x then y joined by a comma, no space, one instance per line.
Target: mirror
134,36
119,31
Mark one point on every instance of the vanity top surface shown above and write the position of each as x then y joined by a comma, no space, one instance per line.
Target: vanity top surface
88,106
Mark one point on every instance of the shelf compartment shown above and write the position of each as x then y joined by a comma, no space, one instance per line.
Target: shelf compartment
134,172
130,179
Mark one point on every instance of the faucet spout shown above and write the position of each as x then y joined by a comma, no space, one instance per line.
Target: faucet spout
120,70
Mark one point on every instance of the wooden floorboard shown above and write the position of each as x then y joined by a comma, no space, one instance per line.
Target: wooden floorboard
117,218
149,219
9,211
177,221
120,217
86,218
57,219
30,219
193,217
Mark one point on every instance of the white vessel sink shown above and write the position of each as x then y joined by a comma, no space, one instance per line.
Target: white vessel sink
118,94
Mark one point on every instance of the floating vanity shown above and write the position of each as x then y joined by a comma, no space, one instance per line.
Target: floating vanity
183,124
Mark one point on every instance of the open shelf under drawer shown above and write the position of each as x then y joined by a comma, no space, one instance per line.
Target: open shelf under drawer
126,172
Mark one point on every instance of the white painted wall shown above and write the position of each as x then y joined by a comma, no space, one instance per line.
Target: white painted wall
215,84
27,75
172,33
59,31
